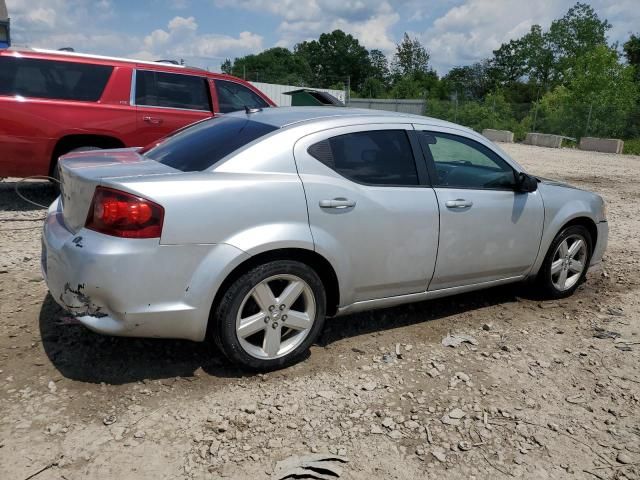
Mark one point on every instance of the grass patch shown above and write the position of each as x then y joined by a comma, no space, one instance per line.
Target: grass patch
632,147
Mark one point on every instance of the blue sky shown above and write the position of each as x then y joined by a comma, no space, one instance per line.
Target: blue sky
205,32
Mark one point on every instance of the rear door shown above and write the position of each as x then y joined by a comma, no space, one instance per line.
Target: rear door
167,101
371,210
488,230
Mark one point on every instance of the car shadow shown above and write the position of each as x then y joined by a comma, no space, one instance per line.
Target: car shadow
339,328
80,354
39,192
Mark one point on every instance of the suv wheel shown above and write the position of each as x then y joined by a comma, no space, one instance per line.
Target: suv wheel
269,317
566,263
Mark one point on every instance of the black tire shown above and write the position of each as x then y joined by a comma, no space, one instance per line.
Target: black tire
544,278
223,318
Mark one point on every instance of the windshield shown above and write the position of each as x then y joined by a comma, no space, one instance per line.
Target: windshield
202,145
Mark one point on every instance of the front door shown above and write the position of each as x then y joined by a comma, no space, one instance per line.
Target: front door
488,230
166,102
371,211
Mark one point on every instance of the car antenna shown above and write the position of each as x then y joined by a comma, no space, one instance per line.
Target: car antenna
248,110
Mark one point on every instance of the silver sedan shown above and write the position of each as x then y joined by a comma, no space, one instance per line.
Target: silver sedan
251,228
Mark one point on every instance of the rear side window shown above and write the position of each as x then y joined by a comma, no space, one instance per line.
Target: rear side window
233,97
173,90
201,146
52,79
377,157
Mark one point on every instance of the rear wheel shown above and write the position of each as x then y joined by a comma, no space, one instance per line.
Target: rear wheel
566,263
269,317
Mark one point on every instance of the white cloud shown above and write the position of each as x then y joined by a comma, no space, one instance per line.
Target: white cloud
371,21
181,39
470,32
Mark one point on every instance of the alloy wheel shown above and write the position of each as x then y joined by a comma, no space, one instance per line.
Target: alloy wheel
568,262
275,316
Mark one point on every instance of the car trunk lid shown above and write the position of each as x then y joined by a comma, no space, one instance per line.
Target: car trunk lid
82,172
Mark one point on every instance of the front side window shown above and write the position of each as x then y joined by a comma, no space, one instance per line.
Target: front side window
35,78
233,97
172,90
202,145
463,163
377,157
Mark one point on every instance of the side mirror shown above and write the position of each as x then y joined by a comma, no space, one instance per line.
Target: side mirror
526,183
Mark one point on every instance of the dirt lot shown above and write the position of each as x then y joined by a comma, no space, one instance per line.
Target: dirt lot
540,395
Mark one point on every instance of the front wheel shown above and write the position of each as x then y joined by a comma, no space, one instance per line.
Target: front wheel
269,317
566,263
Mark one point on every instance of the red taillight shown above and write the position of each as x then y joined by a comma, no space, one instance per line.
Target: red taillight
123,214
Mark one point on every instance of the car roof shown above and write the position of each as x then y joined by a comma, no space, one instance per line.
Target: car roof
285,116
88,57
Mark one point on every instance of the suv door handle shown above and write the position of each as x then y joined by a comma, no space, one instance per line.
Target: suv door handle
459,203
339,202
152,120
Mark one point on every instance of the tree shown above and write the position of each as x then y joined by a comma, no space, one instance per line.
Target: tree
632,53
471,81
379,66
226,66
510,62
334,58
411,58
578,32
538,54
597,98
275,65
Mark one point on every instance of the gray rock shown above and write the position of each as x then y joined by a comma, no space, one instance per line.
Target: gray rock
624,458
457,413
439,454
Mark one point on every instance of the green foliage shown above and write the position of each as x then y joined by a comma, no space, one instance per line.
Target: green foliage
471,81
632,53
598,97
411,58
632,147
335,57
564,79
275,64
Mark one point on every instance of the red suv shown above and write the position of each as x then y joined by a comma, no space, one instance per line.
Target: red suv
54,102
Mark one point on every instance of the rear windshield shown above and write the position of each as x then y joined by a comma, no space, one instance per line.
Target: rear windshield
36,78
204,144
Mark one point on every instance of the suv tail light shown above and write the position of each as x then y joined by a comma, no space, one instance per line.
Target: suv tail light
123,214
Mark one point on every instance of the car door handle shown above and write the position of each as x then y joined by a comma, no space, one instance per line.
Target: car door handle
459,203
152,120
337,203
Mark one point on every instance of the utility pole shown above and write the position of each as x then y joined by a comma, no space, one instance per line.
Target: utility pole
535,111
347,97
586,131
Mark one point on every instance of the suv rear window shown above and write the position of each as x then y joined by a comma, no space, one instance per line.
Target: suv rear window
204,144
30,77
173,90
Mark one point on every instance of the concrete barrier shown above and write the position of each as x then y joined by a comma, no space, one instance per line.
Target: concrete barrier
504,136
607,145
544,140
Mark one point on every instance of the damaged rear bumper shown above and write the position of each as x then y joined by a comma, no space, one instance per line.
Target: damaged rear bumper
133,287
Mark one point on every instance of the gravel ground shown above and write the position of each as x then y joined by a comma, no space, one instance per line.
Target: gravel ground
539,396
